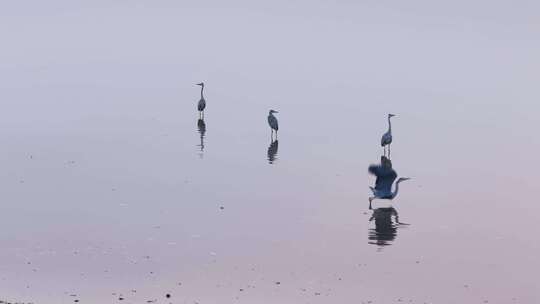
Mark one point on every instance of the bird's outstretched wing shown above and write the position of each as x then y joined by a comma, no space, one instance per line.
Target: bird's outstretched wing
381,171
385,177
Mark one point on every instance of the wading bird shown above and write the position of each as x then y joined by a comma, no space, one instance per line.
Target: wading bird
386,139
385,179
272,122
202,103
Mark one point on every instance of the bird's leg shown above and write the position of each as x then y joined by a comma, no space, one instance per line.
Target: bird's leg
276,134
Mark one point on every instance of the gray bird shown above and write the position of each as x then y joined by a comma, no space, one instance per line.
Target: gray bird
202,103
386,139
272,122
385,179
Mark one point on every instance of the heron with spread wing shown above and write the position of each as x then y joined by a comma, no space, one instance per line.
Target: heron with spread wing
385,179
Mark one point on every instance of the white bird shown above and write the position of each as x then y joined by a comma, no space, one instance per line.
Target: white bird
202,103
273,122
386,139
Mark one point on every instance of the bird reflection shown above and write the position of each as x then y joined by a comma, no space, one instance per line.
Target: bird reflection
201,126
272,151
386,176
386,226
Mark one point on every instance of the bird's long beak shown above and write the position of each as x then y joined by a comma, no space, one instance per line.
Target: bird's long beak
199,84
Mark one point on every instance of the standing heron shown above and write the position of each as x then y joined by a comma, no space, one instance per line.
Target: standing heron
385,179
272,122
202,103
386,139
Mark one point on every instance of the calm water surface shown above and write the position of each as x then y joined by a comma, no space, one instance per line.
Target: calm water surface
113,187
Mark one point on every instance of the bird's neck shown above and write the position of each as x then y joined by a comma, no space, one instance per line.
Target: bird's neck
396,190
389,125
202,88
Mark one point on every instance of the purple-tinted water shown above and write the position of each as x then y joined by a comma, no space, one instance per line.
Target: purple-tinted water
112,188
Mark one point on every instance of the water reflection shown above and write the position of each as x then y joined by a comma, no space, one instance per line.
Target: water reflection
272,151
386,176
201,126
386,226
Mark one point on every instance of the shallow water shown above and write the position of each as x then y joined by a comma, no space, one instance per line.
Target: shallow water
113,187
